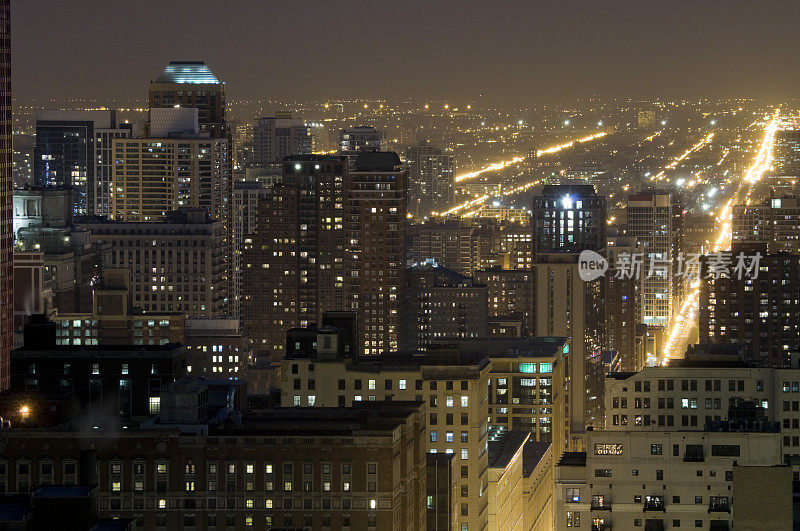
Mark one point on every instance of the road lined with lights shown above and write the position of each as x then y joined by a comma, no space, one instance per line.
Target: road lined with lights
677,160
684,320
504,164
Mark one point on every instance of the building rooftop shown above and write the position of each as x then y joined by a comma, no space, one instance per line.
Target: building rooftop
377,161
193,72
502,450
532,454
572,459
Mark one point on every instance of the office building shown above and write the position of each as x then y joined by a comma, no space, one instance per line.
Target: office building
216,348
650,220
759,314
375,247
6,185
568,218
441,304
775,222
192,84
430,179
296,267
176,265
454,391
75,148
120,380
113,319
277,137
506,481
538,485
667,479
361,468
690,393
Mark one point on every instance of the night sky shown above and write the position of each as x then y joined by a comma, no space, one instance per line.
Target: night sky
510,52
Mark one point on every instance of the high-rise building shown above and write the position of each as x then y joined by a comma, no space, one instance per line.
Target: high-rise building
356,139
441,304
192,84
430,179
775,222
454,243
510,294
622,306
279,136
180,167
23,160
567,306
6,185
568,218
786,151
650,220
375,247
757,313
244,223
296,267
177,264
75,148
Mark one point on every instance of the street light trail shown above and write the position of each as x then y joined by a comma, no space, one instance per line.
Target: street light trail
688,311
504,164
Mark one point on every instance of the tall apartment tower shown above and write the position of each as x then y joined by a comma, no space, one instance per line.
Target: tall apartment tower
357,139
279,136
775,222
430,179
650,220
296,267
192,84
6,221
787,151
568,218
177,166
74,148
757,313
375,223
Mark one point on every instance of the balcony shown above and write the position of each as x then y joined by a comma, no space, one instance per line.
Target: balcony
600,503
719,504
718,525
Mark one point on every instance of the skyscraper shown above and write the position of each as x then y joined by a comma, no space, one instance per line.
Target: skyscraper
192,84
276,137
568,218
430,179
650,220
375,223
296,267
6,222
75,148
